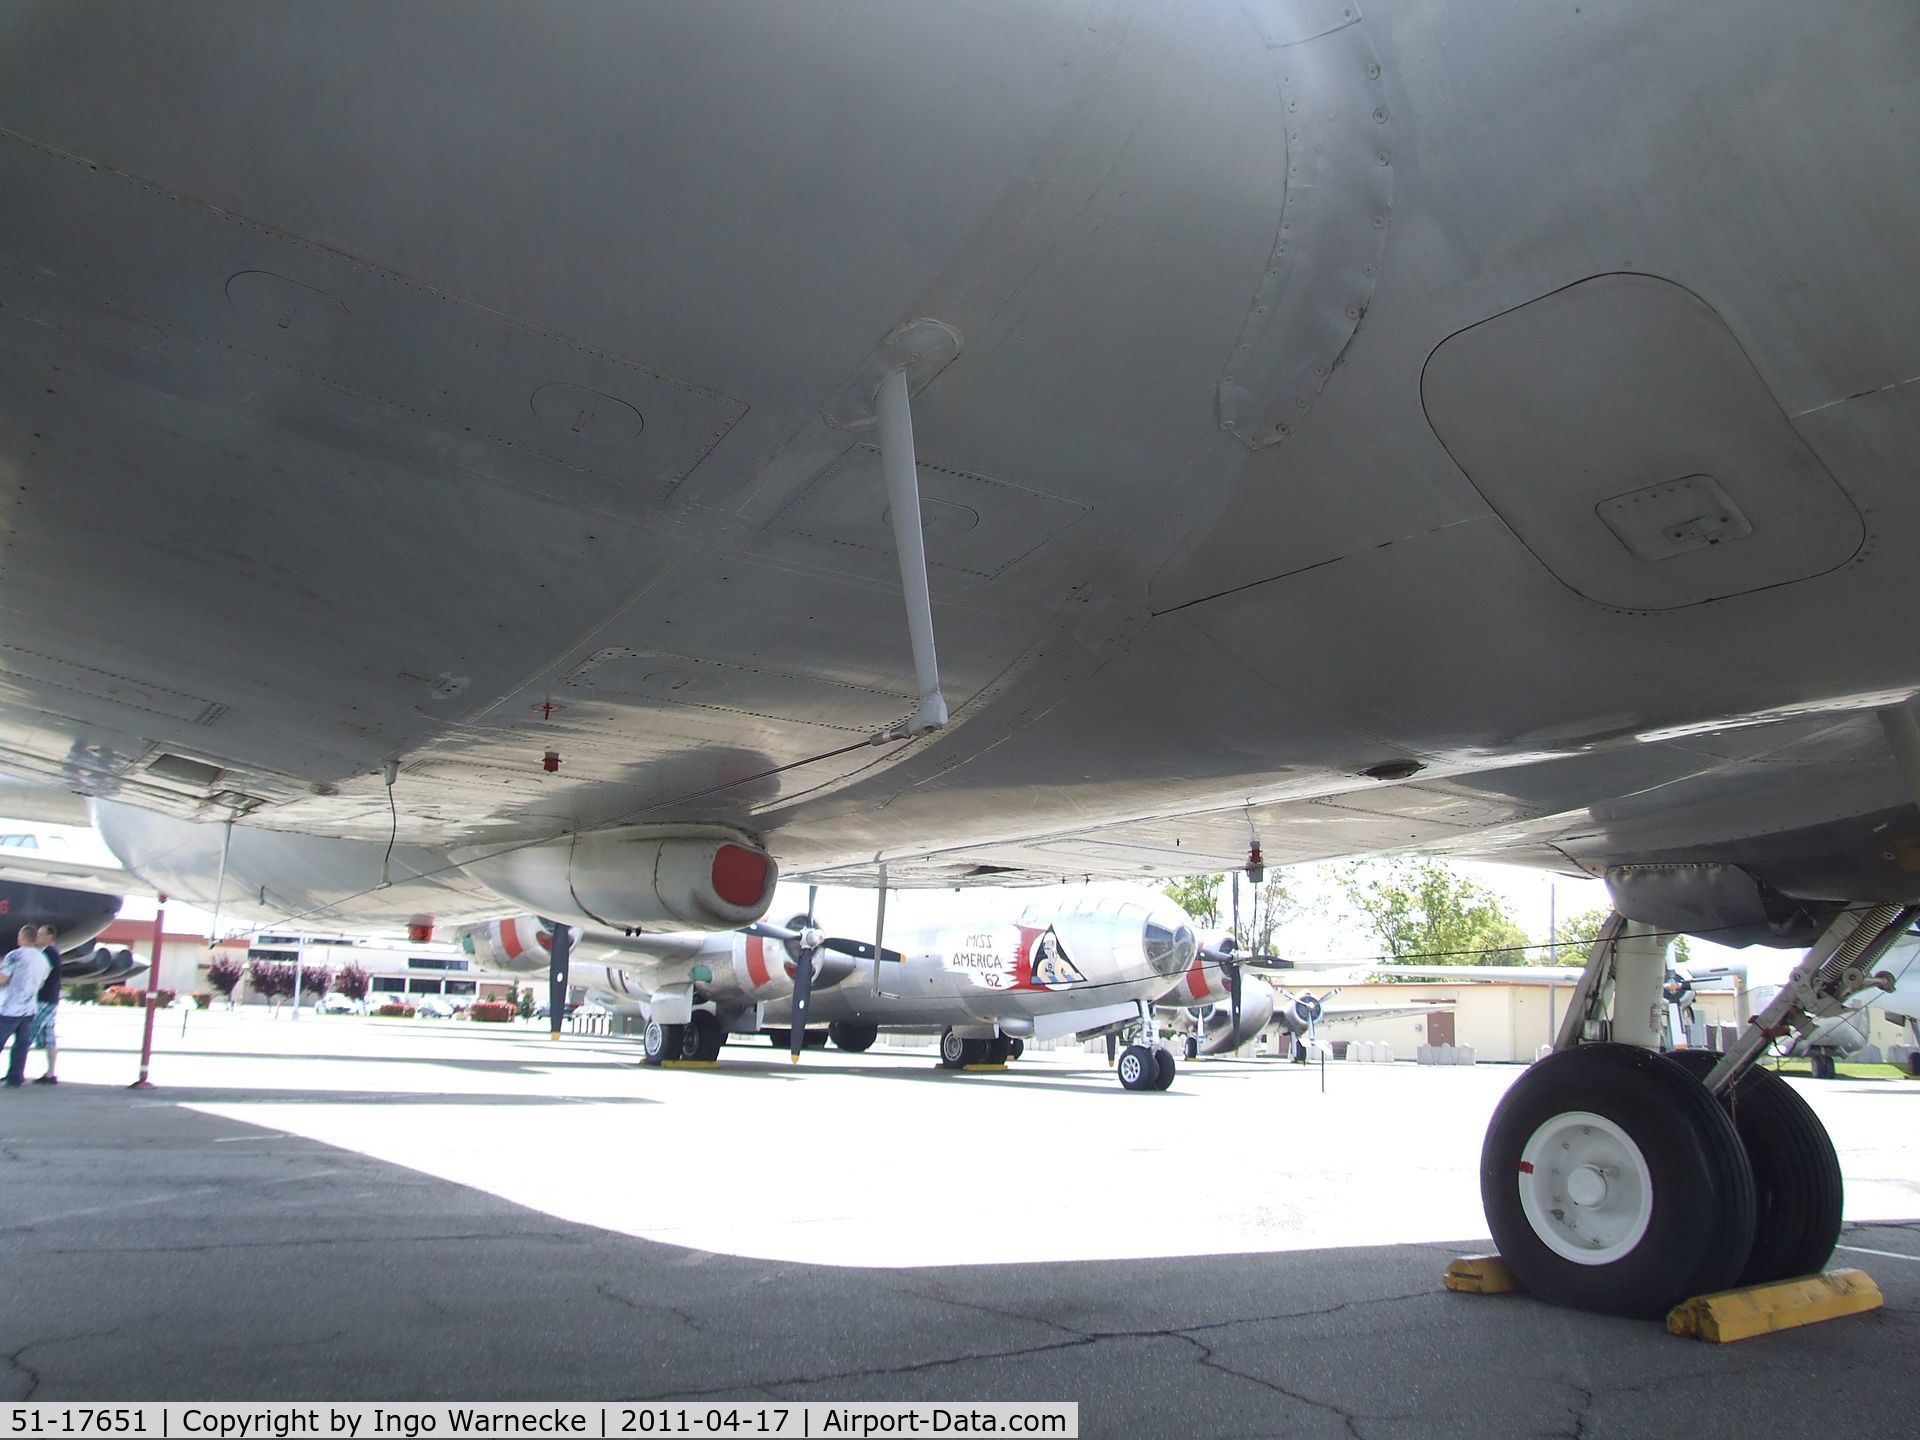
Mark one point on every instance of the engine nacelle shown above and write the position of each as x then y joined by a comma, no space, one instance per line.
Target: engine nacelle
763,969
517,944
701,878
1256,1011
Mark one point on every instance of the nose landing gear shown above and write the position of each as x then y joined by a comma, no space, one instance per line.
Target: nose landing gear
1147,1064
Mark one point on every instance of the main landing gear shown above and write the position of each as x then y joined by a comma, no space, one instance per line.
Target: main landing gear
958,1051
1622,1180
699,1039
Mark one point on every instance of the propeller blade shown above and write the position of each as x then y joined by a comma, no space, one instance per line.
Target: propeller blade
1233,988
859,949
802,985
1236,909
1265,962
559,953
766,930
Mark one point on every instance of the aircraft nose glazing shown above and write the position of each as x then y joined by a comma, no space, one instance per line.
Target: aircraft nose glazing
1168,945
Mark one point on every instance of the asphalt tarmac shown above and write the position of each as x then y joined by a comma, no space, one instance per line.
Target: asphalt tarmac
353,1209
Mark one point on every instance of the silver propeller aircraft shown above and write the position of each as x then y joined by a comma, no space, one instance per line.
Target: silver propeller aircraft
1220,1023
1084,963
582,460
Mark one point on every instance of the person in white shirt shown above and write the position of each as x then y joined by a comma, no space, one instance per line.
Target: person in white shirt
21,974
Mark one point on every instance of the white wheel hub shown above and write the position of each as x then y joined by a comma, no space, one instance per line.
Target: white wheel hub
1585,1188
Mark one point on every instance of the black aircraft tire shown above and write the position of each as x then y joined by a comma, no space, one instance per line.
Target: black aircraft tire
999,1050
1164,1067
1673,1213
853,1038
1016,1047
953,1049
1797,1188
662,1042
1192,1048
1137,1068
703,1037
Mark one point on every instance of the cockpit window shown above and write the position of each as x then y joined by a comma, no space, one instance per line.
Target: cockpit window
1169,950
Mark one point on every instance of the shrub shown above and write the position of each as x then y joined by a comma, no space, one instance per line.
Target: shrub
353,982
272,979
85,993
203,998
395,1009
224,972
493,1012
126,995
315,981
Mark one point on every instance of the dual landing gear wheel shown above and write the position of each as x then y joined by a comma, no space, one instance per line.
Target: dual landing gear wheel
1821,1065
662,1042
1798,1192
1192,1048
699,1039
703,1037
957,1052
1613,1181
1144,1069
999,1050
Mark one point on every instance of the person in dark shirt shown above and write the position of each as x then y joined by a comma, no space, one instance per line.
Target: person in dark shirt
49,1001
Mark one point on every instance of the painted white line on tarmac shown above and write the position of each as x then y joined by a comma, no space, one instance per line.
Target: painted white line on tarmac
1890,1254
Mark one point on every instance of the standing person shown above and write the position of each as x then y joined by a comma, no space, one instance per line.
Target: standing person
21,974
49,1001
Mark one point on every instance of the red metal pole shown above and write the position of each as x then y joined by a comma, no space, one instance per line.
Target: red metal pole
153,982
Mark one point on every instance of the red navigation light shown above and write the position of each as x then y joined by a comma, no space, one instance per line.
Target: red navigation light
419,932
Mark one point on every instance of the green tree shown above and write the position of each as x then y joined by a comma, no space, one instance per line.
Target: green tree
1423,910
1263,907
1198,895
1575,933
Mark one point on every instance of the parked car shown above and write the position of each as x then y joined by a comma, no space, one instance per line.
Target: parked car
334,1003
432,1007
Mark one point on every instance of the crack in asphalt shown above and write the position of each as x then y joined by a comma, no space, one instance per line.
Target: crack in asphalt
1350,1419
16,1360
1580,1415
640,1307
1074,1339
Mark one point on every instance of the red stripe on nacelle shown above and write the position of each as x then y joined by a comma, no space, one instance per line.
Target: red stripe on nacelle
510,940
1197,981
757,961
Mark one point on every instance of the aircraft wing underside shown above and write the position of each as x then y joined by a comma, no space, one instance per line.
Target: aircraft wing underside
487,406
